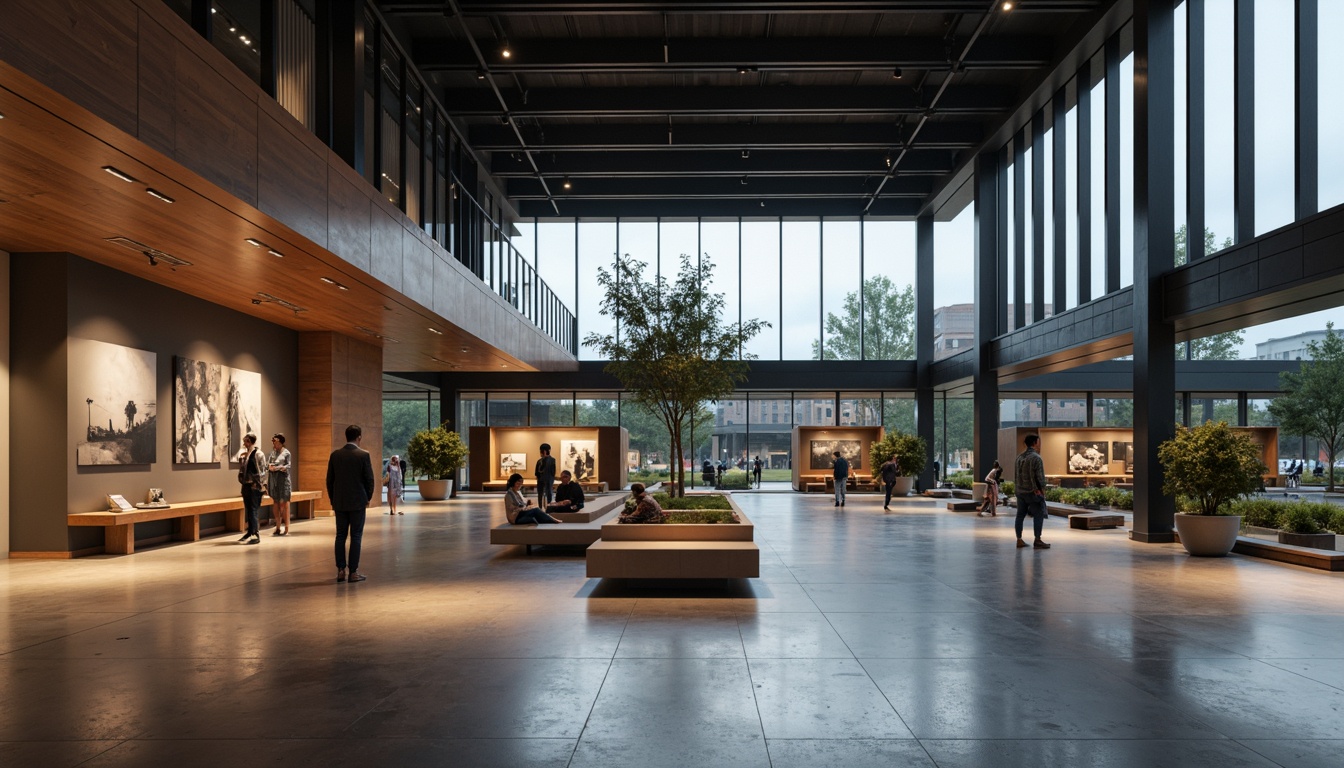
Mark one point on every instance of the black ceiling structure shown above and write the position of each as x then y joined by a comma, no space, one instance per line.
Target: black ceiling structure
734,108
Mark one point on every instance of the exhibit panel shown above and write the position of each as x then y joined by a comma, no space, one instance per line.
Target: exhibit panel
113,369
813,450
591,454
1087,456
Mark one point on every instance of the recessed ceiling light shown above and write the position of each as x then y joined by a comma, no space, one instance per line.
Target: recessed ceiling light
254,242
275,253
329,281
2,115
120,174
436,330
1007,5
233,29
152,192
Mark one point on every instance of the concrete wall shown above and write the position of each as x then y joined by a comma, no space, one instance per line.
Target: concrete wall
60,296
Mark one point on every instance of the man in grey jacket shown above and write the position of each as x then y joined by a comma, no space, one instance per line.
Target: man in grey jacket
350,487
1029,474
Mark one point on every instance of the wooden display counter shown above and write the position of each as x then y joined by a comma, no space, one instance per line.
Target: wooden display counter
119,533
812,447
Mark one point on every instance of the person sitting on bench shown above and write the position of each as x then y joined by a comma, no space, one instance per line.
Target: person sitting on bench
646,509
568,495
516,508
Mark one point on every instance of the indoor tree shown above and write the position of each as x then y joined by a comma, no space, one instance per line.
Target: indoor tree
671,349
1211,465
1312,402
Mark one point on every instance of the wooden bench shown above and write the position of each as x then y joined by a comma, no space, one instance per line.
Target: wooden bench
691,560
814,488
692,552
119,527
577,529
1091,521
531,485
963,506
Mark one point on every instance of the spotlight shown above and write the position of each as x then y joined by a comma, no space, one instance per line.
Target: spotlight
762,203
480,74
504,50
256,302
504,119
887,159
744,181
746,153
255,243
567,184
896,73
745,70
1007,5
152,192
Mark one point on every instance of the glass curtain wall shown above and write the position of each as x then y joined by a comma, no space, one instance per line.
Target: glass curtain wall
953,284
842,276
814,409
596,409
1111,411
771,433
404,414
889,320
1330,109
860,409
898,412
801,259
557,411
1021,411
1275,104
762,292
507,409
596,251
1066,410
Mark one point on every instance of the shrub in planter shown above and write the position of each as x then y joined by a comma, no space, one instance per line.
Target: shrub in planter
1262,513
1337,520
701,517
1055,494
1008,487
436,454
669,503
1120,499
1298,518
1211,465
736,481
962,480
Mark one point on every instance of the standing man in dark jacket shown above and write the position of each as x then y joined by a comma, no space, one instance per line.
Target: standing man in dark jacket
1029,474
350,487
889,474
545,474
841,473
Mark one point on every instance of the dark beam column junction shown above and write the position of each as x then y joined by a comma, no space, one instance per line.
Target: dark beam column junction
1154,253
985,403
924,402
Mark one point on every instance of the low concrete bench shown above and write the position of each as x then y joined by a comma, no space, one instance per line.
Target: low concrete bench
963,506
814,487
1091,521
119,533
577,529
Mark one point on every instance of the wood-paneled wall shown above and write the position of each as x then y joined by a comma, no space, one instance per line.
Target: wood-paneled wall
340,383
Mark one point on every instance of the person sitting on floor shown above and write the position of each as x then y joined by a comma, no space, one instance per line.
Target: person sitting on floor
568,495
646,509
516,508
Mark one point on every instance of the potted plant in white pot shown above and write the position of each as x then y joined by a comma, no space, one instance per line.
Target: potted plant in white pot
435,456
912,455
1209,466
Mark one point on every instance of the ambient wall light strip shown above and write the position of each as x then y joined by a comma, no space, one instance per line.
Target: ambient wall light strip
152,192
329,281
120,174
436,331
277,300
254,242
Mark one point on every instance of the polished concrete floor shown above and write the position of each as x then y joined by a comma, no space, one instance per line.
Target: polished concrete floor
917,637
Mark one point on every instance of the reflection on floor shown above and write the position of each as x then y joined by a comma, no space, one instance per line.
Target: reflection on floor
917,637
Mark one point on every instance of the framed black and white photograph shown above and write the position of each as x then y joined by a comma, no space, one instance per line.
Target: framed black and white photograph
512,462
242,407
114,400
823,453
198,416
1088,458
579,457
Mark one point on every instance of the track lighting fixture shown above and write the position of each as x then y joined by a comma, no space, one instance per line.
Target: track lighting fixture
566,184
744,181
480,73
896,73
505,52
746,153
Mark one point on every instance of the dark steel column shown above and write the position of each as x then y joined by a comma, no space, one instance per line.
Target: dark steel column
1194,179
1038,152
1113,164
1019,252
341,93
1154,221
1084,85
988,305
1244,115
924,340
1059,201
1001,247
1308,81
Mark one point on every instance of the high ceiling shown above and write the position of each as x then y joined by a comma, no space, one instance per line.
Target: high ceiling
732,108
